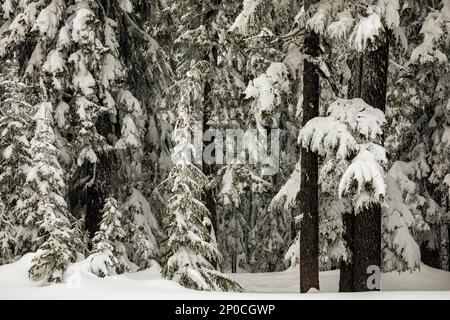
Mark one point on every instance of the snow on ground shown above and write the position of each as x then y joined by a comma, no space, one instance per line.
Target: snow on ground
147,284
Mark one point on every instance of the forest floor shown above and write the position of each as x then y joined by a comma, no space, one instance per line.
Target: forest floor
428,283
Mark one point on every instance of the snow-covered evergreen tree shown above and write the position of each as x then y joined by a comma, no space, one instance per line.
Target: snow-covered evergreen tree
417,114
239,191
15,156
108,250
143,230
348,139
190,255
45,211
7,240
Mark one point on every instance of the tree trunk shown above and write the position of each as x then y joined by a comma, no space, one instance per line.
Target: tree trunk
369,82
346,268
430,256
91,184
211,56
308,195
448,247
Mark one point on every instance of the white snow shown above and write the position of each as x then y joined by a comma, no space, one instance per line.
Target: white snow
288,193
325,134
54,63
80,30
366,30
80,283
360,116
318,21
267,91
126,5
7,8
340,28
60,114
369,177
49,18
245,18
83,78
400,249
389,10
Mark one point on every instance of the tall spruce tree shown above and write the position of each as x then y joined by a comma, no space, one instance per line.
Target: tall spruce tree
46,209
190,254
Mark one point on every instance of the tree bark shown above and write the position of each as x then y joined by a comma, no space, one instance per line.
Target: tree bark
369,82
447,207
346,268
308,195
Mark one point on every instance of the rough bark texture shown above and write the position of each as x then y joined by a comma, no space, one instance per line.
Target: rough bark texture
346,268
369,82
308,195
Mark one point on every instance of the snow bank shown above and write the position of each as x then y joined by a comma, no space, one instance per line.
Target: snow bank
79,283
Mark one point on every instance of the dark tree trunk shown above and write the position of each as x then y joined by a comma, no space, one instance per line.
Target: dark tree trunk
211,56
346,268
208,197
97,193
448,247
308,195
233,263
430,256
92,184
369,82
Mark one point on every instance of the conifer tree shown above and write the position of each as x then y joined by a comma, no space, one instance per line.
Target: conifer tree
15,156
108,250
46,209
190,255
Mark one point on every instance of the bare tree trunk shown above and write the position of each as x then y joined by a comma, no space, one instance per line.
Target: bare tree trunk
346,268
447,206
369,82
308,195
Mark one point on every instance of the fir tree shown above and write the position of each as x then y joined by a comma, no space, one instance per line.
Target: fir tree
46,209
190,254
108,250
15,155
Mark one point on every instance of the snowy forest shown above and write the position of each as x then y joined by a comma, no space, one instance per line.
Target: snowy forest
100,101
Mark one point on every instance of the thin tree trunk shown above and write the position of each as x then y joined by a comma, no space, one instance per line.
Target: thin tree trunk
369,75
447,206
211,56
308,195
